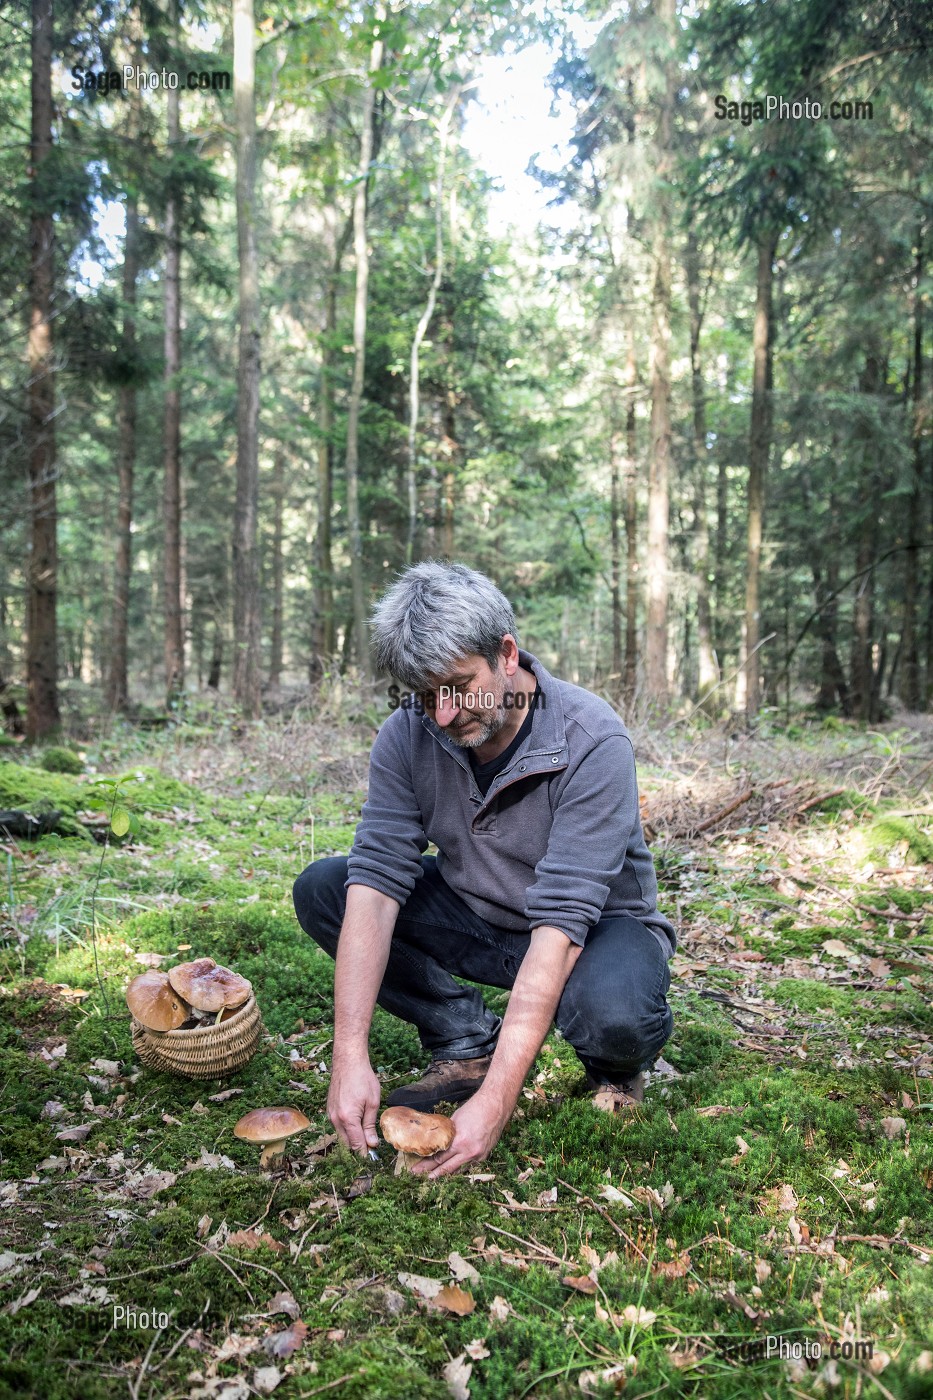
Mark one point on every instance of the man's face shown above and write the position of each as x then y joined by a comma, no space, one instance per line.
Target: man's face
470,702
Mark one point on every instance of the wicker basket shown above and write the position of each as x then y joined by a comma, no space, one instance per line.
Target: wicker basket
208,1052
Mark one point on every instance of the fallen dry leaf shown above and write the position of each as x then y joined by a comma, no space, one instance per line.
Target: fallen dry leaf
252,1239
639,1317
420,1285
77,1134
836,949
461,1269
452,1298
674,1268
500,1308
583,1283
283,1303
22,1301
892,1127
266,1378
457,1374
477,1350
616,1197
281,1345
224,1095
715,1110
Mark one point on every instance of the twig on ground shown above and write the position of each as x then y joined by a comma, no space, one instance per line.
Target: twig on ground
134,1385
529,1244
212,1254
600,1210
815,801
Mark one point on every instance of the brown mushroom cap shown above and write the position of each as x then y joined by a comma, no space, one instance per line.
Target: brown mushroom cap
270,1124
183,975
421,1134
209,987
155,1003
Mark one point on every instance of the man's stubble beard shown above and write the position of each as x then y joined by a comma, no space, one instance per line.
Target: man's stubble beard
475,735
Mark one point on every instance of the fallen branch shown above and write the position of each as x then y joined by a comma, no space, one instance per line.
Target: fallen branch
724,812
815,801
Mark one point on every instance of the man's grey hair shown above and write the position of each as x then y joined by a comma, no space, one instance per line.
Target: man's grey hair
433,616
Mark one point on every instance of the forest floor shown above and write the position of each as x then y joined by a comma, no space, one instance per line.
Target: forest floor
776,1184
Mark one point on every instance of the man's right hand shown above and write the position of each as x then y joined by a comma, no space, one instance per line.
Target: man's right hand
353,1105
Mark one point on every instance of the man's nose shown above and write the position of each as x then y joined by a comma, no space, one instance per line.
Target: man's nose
447,710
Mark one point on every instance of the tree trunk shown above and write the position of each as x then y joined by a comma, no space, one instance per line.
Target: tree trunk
360,306
708,669
117,686
660,377
246,600
748,689
323,636
616,455
411,473
630,666
862,667
42,717
171,500
909,648
217,656
278,566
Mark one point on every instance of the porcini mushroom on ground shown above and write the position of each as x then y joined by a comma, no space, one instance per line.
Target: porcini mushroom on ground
271,1127
415,1135
155,1003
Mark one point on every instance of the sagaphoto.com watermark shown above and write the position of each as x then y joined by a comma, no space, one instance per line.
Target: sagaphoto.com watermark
810,1350
133,78
772,108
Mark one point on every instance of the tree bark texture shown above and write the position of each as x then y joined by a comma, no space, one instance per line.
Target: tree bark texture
910,643
360,306
246,595
748,691
630,483
171,498
117,687
42,715
660,382
864,688
276,647
708,673
421,330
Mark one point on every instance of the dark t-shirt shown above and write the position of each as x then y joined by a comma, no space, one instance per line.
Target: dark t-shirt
484,773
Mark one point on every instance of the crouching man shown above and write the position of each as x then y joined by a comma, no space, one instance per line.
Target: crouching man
542,881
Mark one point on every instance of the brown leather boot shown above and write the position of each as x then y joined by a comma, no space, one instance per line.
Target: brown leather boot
452,1081
620,1094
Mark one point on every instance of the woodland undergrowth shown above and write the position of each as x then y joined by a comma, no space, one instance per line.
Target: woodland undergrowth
777,1181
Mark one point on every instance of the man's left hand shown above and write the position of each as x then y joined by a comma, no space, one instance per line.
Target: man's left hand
479,1124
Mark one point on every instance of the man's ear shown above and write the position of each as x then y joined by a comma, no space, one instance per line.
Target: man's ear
508,651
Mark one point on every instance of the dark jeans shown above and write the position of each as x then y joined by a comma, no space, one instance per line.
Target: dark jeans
613,1010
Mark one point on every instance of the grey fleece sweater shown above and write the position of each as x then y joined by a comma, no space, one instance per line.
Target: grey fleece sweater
556,840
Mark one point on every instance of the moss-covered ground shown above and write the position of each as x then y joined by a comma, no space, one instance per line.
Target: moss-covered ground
779,1184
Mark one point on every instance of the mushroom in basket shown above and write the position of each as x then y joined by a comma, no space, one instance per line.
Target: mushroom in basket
155,1003
210,988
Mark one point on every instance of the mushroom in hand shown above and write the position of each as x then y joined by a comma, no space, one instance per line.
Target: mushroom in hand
415,1135
271,1127
155,1003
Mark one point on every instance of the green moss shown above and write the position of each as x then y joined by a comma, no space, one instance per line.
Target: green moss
886,833
55,760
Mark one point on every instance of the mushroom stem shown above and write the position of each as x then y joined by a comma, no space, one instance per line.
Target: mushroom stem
271,1151
405,1161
